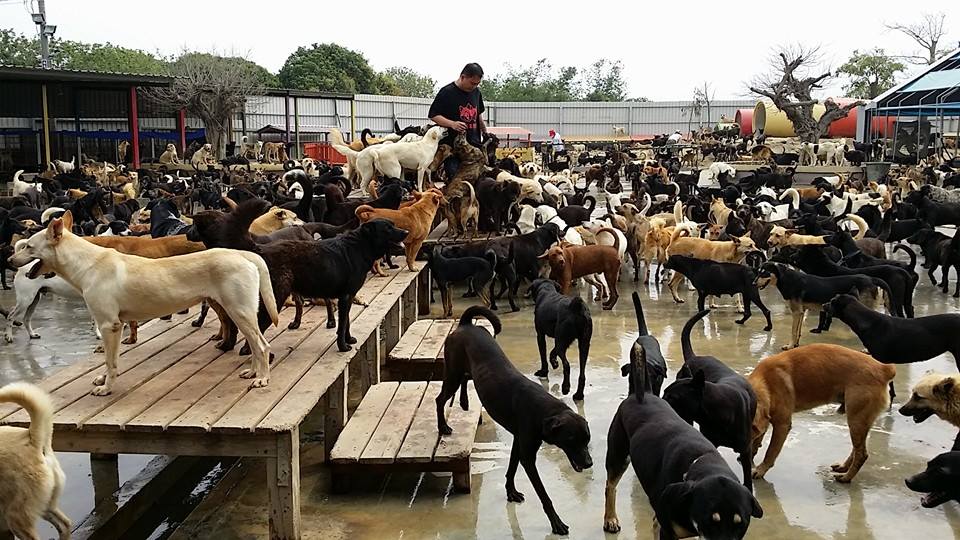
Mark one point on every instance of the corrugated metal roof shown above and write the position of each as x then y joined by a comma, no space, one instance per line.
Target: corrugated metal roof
80,75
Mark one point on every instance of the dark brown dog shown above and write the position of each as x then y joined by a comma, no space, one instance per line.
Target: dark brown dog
570,262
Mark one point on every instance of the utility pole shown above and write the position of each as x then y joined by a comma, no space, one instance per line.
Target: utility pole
46,32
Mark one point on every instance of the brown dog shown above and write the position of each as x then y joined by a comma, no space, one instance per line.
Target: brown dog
569,262
416,219
814,375
937,394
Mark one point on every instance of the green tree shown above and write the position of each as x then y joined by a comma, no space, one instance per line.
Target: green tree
403,81
870,73
538,82
18,50
329,67
105,57
603,81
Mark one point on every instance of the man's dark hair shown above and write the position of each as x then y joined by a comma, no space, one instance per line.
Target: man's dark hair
472,69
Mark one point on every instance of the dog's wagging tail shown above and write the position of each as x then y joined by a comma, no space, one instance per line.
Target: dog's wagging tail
481,311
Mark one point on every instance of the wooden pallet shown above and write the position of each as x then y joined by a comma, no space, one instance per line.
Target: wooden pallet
179,395
395,429
418,355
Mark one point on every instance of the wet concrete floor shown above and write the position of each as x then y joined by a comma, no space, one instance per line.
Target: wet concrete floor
66,336
799,496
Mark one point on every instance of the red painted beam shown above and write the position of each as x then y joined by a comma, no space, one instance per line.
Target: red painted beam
134,127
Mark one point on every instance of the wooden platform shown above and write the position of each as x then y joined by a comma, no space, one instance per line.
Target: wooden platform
442,234
418,355
395,429
178,395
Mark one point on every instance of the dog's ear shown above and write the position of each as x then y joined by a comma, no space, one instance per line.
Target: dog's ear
55,230
551,424
677,496
68,220
625,370
944,388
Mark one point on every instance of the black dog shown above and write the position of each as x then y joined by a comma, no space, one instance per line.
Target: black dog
893,340
646,351
718,278
565,319
939,250
688,483
940,482
717,398
165,219
479,271
575,214
521,406
505,272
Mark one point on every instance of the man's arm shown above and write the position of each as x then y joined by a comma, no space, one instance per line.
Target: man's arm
443,121
481,124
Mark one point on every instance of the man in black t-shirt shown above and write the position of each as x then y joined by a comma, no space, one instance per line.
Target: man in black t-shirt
459,108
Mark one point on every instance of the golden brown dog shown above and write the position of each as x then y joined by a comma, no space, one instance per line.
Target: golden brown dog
935,394
780,237
732,251
416,219
169,156
569,262
275,219
719,212
814,375
761,154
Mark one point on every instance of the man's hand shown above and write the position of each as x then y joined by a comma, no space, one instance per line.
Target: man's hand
459,127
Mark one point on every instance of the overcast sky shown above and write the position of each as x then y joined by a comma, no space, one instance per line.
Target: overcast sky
667,48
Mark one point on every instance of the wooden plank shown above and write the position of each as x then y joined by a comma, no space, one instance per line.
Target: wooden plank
390,433
283,487
305,395
155,390
88,406
214,405
410,341
82,368
432,344
355,435
464,424
82,386
421,439
252,407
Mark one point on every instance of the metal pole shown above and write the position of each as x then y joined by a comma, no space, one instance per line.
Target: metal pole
46,32
296,126
46,125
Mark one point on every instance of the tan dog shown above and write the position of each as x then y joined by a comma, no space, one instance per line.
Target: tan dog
122,151
119,288
780,237
719,212
732,251
32,480
169,156
203,157
761,154
274,152
273,220
935,394
569,262
416,219
814,375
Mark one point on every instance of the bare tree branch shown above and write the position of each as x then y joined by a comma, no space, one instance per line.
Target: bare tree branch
927,33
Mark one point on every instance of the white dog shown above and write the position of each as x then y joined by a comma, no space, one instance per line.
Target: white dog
28,292
529,189
30,190
391,159
32,478
169,156
121,288
202,157
64,166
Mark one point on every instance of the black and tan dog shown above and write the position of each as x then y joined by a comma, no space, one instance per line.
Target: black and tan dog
808,292
716,397
716,278
519,405
566,319
691,488
478,271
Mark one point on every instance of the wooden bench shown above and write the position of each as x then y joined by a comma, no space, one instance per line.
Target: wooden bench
395,429
442,234
418,355
179,395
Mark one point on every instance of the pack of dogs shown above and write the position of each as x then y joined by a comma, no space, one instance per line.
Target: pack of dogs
244,243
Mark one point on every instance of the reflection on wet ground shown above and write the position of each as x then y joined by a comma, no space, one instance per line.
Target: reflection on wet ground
799,496
66,336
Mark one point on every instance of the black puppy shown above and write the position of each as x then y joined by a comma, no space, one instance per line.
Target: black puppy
565,319
447,271
718,278
691,488
717,398
893,340
939,250
940,482
521,406
646,351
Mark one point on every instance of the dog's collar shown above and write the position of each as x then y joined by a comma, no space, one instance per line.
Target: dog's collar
694,462
850,255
